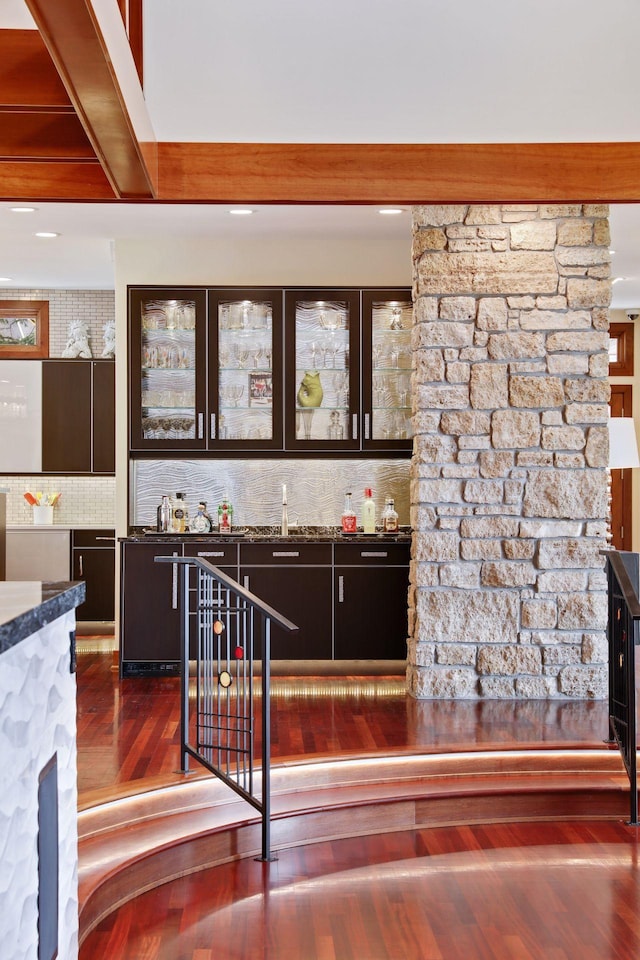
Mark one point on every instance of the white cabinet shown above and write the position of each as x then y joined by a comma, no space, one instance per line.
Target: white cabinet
34,554
20,416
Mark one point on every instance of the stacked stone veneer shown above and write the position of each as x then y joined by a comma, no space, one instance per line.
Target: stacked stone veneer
508,479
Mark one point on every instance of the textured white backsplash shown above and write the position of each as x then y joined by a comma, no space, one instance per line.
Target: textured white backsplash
315,488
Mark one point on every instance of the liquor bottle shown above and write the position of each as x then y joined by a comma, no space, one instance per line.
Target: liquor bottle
201,523
348,515
368,512
179,514
389,517
164,515
225,515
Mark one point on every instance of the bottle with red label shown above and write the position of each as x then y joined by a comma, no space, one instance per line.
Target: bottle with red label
225,515
349,524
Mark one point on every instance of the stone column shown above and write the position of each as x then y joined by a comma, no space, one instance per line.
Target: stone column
508,478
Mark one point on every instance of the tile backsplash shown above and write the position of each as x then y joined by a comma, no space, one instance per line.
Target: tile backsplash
85,501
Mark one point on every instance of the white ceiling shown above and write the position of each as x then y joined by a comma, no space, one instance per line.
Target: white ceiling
350,70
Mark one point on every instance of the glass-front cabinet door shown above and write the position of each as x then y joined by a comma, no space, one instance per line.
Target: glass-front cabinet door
168,368
322,345
245,369
387,317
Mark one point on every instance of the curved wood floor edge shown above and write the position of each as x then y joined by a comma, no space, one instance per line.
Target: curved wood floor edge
157,830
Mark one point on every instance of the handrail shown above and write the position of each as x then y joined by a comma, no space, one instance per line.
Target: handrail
616,560
235,586
224,625
622,637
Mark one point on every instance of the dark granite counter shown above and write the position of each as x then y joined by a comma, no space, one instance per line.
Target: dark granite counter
297,534
27,606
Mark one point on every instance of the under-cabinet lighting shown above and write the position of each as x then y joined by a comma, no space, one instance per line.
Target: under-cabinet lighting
23,209
241,212
6,279
618,279
47,234
390,211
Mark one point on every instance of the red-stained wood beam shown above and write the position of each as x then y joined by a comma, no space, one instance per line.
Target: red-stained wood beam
58,180
43,135
399,173
28,77
78,49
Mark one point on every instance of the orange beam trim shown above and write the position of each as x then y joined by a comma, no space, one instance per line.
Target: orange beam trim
76,45
399,173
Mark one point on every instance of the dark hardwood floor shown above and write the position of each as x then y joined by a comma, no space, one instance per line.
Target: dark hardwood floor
554,890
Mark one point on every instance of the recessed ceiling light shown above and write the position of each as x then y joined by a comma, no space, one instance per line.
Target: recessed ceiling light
390,211
241,212
23,209
5,279
47,234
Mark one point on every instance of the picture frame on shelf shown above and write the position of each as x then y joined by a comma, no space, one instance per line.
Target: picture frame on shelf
24,329
260,389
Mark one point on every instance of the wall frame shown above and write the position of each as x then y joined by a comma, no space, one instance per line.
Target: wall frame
24,329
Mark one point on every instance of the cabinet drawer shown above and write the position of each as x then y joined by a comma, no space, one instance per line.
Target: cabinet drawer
218,554
377,553
282,554
93,538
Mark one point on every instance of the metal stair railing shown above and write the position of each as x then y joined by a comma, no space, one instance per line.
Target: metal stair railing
623,636
226,630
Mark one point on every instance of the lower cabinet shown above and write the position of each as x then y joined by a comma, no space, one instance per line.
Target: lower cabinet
149,617
93,559
349,601
371,584
294,579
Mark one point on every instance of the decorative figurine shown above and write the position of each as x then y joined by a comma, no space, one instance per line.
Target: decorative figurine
310,393
109,340
78,340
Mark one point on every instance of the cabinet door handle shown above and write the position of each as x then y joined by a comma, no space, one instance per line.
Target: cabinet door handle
285,553
211,553
366,426
200,426
340,589
245,582
81,566
354,429
109,539
174,584
212,428
374,553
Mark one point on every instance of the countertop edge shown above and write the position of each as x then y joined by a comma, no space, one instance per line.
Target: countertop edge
58,598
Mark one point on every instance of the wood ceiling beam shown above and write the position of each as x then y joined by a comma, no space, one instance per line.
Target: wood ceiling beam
28,77
43,135
399,173
59,180
76,45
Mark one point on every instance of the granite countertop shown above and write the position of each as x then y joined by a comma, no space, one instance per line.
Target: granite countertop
297,534
27,606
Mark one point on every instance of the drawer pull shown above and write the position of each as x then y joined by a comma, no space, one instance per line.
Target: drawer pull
285,553
211,553
374,553
109,539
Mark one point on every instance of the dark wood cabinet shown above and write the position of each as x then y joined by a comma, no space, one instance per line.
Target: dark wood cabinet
294,579
370,585
78,416
149,615
93,559
349,600
284,371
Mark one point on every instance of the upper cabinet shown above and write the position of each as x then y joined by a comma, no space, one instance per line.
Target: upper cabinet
241,370
168,336
322,388
245,369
